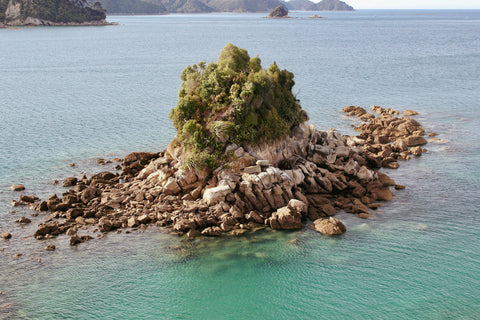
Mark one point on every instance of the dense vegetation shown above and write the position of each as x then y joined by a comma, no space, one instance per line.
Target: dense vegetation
56,10
232,101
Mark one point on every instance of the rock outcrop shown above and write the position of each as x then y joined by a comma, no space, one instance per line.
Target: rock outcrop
388,137
310,175
279,12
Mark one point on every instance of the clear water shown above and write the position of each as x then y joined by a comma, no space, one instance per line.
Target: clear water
71,95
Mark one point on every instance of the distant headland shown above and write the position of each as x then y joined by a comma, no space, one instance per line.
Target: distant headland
80,12
206,6
50,13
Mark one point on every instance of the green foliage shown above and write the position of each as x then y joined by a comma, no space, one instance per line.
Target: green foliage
233,101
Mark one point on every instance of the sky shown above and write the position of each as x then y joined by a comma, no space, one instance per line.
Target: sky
413,4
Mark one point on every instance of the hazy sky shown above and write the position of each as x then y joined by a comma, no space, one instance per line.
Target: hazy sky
413,4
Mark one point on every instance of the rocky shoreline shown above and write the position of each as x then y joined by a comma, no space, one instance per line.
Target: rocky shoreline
308,176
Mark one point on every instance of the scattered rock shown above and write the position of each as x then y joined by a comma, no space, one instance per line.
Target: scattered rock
24,220
75,239
408,112
18,187
27,199
6,235
50,247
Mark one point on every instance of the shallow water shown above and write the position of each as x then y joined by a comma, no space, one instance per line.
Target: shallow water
71,95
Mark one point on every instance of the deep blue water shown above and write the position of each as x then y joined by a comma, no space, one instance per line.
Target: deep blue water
74,94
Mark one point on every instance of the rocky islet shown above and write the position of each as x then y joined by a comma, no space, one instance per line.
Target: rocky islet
283,184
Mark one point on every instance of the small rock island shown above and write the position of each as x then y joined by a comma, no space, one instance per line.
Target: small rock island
50,13
244,158
278,12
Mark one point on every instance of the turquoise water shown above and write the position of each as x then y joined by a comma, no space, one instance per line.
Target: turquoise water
71,95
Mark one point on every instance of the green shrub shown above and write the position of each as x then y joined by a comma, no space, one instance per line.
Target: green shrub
233,101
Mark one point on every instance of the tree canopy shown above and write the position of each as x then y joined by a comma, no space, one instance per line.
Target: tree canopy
232,101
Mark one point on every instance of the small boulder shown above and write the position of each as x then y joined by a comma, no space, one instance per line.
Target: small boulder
330,226
51,228
18,187
88,194
24,220
6,235
415,141
363,215
69,182
50,247
27,199
416,151
142,157
74,240
132,222
408,112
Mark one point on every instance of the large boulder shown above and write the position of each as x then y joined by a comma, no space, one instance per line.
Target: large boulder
330,226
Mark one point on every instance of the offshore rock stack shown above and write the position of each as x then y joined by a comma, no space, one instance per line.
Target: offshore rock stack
308,176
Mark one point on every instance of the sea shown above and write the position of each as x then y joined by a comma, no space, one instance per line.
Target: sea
72,95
